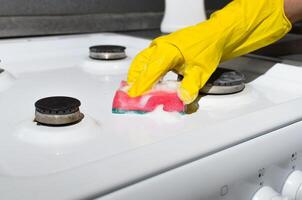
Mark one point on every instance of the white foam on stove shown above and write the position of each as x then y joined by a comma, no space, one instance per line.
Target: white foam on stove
167,85
162,117
144,99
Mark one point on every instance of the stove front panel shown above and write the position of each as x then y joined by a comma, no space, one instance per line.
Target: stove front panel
236,173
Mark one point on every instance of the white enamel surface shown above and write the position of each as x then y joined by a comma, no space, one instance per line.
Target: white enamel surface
180,14
230,174
101,67
6,80
106,151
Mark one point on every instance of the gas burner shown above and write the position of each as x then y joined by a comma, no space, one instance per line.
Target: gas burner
224,81
1,70
58,111
107,52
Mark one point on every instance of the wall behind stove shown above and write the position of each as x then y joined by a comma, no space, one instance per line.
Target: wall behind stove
48,17
215,4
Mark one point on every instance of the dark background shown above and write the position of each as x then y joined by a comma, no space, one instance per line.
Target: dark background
48,17
215,4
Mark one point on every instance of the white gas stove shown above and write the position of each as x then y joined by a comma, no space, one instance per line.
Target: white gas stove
238,146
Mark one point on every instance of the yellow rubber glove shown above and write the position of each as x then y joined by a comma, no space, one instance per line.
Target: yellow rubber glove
195,52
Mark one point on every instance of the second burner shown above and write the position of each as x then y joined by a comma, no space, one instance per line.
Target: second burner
107,52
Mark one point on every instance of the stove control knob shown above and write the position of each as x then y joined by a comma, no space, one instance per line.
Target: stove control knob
268,193
293,186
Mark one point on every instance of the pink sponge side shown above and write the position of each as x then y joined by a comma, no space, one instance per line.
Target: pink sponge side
123,103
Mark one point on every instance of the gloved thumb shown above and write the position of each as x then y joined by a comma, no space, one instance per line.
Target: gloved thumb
193,80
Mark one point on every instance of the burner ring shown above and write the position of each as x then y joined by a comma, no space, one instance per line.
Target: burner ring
58,120
214,89
107,52
223,81
226,77
58,110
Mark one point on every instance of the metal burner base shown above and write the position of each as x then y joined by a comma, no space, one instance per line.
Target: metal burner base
58,120
223,81
107,52
220,90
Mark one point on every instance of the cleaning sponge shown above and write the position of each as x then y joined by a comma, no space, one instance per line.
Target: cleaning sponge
163,94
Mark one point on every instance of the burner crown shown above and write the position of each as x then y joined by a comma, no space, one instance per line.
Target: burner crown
58,105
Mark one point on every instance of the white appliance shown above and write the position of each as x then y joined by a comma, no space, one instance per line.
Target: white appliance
244,146
180,14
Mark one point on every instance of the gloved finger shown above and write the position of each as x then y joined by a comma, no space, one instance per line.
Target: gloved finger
163,59
193,81
138,64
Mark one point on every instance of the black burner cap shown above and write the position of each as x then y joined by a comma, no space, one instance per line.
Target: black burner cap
107,49
57,105
1,70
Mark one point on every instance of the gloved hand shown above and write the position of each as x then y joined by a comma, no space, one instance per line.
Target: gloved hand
195,52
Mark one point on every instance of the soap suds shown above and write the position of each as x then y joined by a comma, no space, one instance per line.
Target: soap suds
125,88
169,86
144,100
161,116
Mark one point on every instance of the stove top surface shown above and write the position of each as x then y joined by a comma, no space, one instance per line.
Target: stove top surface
106,151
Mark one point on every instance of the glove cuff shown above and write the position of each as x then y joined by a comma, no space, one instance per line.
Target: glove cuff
241,27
